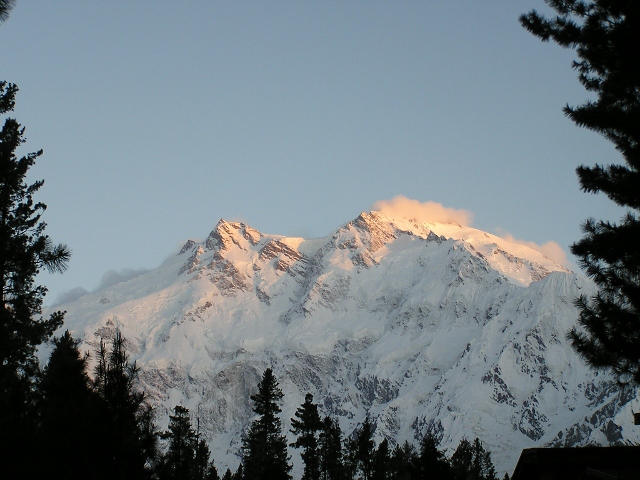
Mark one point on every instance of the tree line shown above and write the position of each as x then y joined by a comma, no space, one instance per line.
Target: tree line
328,455
102,428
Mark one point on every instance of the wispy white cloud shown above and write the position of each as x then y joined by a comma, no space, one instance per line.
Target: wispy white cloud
550,249
432,212
113,276
109,279
70,296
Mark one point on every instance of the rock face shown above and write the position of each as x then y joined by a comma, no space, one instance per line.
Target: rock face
420,326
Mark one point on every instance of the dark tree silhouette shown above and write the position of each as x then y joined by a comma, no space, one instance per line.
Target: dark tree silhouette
402,463
201,464
265,447
212,472
604,34
306,426
24,250
330,450
130,436
70,414
350,458
365,447
431,462
227,475
5,8
179,462
482,463
471,461
239,473
381,462
462,461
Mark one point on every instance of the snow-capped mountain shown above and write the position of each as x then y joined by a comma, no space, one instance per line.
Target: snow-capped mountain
418,325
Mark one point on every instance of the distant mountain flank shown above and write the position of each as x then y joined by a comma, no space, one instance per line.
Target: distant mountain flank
421,326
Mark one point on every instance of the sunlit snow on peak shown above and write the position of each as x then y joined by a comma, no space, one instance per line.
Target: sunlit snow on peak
414,216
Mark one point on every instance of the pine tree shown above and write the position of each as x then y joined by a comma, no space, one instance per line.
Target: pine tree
5,8
239,473
431,462
227,475
130,433
179,462
212,472
403,461
482,462
462,461
201,462
306,426
472,462
69,414
330,450
147,437
605,36
350,458
264,447
381,462
365,447
24,250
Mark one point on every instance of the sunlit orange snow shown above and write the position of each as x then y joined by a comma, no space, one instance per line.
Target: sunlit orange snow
433,212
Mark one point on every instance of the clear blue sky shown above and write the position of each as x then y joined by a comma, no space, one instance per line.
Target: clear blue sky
157,118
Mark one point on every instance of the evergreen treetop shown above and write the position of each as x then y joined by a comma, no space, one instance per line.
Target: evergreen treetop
5,8
431,462
471,461
365,448
70,415
306,426
604,34
402,462
330,450
179,461
130,436
382,462
24,250
265,447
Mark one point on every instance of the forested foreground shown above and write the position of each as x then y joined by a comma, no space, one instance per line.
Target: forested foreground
100,426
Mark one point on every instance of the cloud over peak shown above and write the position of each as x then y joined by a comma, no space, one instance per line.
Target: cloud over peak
550,249
430,212
401,207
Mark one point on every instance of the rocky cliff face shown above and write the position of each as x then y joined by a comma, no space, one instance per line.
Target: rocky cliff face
422,327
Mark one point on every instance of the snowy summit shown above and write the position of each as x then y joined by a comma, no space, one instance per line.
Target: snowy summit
422,326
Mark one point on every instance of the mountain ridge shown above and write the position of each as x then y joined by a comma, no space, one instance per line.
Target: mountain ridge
387,317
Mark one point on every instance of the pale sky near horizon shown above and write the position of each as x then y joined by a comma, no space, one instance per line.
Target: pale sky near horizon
158,118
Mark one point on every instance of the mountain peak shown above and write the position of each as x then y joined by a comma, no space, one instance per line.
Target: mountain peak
226,234
519,262
422,326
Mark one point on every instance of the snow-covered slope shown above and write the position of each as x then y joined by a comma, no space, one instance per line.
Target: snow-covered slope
421,326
